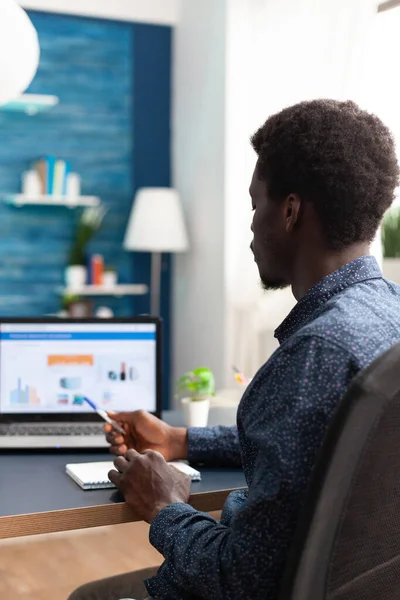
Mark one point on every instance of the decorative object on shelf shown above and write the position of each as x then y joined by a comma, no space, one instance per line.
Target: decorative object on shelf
81,309
73,186
104,312
31,104
156,225
19,51
74,306
391,244
88,225
199,385
75,276
50,182
96,269
31,183
110,277
68,299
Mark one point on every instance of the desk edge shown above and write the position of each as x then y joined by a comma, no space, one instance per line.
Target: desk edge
94,516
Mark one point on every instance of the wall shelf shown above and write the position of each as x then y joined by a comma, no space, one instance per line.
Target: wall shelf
134,289
22,200
31,104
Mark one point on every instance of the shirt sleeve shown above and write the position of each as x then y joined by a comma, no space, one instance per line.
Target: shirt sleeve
218,446
284,417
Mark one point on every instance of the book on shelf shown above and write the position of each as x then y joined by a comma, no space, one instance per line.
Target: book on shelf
53,175
40,167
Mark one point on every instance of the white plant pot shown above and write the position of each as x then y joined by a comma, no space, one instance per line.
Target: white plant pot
391,269
109,279
75,276
195,412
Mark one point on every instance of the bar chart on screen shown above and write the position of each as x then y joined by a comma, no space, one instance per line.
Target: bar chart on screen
24,394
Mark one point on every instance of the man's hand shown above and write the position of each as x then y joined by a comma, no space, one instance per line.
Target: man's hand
145,432
149,483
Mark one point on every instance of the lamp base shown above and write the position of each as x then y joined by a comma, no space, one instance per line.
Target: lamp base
155,287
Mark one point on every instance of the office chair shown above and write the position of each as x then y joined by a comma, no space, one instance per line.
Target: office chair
347,544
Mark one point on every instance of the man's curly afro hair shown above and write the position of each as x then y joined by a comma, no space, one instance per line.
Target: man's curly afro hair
335,155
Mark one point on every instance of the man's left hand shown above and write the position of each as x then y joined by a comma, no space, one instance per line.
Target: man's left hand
149,483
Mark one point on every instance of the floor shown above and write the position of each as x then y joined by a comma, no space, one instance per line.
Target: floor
50,567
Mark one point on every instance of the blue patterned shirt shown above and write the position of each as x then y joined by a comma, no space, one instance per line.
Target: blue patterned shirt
334,331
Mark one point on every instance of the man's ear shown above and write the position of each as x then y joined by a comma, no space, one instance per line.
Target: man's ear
292,211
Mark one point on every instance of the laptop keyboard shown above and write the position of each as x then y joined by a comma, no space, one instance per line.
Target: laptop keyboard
20,429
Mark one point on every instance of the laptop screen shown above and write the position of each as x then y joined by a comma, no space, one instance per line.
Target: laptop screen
48,368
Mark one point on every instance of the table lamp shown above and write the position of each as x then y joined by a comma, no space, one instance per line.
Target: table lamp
156,225
19,51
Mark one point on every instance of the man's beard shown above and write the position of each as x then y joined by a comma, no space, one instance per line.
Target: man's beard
273,284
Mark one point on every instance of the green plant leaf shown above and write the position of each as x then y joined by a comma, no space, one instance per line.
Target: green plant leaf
87,226
197,384
391,233
68,299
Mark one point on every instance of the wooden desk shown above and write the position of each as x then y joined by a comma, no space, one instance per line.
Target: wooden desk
37,496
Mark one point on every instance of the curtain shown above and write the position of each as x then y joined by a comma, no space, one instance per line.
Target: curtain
382,90
278,53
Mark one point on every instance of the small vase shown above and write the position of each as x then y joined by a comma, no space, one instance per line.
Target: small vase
196,412
109,279
75,276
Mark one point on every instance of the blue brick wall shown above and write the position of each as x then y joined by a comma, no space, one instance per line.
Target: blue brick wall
108,125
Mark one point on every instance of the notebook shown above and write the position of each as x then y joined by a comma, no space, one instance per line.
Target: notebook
94,475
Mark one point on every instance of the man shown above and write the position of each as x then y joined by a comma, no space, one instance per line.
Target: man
326,173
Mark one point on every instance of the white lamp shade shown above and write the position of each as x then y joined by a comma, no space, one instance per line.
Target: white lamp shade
156,223
19,51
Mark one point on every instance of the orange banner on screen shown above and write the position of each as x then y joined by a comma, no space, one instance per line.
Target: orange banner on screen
70,359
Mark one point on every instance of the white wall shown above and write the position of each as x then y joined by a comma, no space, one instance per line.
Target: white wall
233,68
163,12
198,134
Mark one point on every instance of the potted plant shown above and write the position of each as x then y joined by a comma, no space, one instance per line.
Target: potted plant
88,225
76,307
391,244
67,300
110,277
197,387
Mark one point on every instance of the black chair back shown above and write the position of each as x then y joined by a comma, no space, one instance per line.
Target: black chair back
347,544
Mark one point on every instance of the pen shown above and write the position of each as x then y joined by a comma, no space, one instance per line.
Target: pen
240,378
104,415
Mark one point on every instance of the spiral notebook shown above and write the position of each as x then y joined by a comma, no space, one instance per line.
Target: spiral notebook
94,475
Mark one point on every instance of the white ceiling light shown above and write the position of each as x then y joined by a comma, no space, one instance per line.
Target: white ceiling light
19,51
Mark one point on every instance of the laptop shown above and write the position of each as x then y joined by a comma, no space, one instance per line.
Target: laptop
47,367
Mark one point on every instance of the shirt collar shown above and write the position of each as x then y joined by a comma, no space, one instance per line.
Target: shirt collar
358,270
